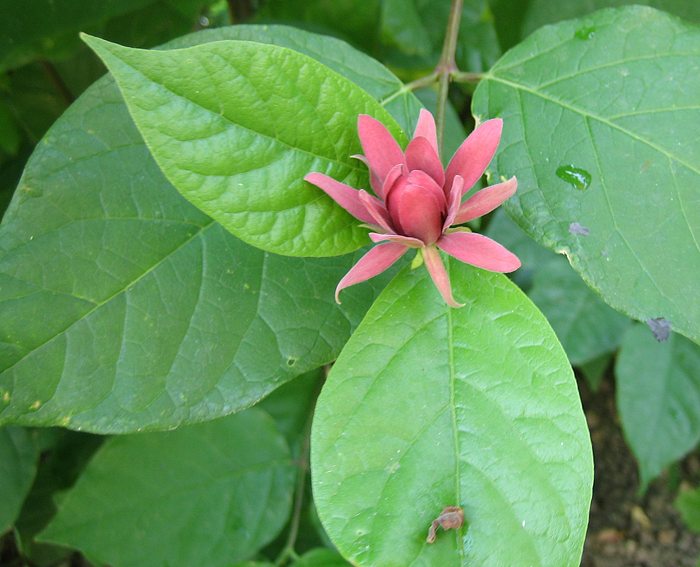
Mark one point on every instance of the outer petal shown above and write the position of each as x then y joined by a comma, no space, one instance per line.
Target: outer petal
474,155
479,250
381,150
397,239
437,272
371,264
426,129
421,155
344,195
374,181
455,199
485,200
377,210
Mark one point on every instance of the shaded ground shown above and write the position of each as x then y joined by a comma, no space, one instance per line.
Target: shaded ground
626,530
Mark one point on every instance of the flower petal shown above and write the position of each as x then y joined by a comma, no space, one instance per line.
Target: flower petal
346,196
485,200
374,181
371,264
398,239
426,129
377,209
454,200
421,155
417,209
479,250
381,150
474,155
437,272
392,177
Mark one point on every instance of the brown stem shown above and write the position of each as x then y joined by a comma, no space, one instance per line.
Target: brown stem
447,66
288,551
57,82
239,10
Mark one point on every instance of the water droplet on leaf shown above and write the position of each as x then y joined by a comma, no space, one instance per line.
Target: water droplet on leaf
585,33
576,177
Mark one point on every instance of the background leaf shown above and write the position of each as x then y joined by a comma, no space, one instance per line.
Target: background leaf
137,280
599,118
542,12
586,327
688,504
208,494
18,457
235,127
429,407
320,558
35,29
658,396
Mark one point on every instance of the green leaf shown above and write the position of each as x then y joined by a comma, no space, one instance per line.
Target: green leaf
65,455
236,125
209,494
532,255
47,28
688,504
158,315
348,19
658,396
586,327
594,370
320,557
543,12
600,128
18,457
429,407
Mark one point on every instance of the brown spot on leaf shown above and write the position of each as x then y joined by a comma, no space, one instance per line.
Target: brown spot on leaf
451,518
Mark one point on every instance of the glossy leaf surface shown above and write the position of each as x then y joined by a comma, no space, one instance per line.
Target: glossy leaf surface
600,128
209,494
137,280
658,396
429,407
235,127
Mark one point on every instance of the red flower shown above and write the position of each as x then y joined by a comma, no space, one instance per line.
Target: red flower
419,201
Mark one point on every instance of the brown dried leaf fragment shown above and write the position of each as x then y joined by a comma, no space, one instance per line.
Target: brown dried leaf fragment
451,518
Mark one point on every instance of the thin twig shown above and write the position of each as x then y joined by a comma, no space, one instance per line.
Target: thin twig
465,77
412,86
57,82
447,66
288,552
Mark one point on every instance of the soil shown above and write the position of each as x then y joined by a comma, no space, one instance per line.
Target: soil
626,529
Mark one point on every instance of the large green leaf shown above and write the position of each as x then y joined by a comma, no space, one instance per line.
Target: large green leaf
210,494
542,12
158,315
585,325
658,397
236,125
600,127
429,407
18,457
